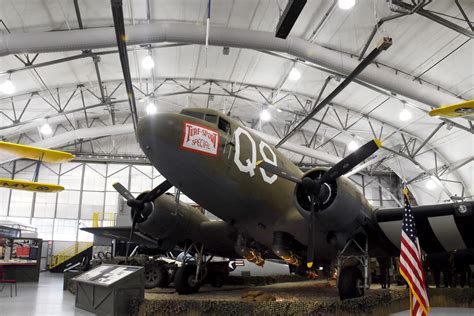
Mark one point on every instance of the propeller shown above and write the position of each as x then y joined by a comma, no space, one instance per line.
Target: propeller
313,186
141,207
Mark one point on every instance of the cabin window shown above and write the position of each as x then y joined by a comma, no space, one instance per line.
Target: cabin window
224,125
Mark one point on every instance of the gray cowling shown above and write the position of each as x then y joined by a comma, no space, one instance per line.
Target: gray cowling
170,222
336,203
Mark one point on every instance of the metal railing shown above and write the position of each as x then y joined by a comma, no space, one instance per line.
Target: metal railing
68,253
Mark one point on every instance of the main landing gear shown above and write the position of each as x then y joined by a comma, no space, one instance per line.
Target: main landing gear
353,270
197,270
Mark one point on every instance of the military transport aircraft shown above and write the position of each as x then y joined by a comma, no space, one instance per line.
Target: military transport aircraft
270,209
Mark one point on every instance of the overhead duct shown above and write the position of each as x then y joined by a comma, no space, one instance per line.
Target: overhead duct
78,40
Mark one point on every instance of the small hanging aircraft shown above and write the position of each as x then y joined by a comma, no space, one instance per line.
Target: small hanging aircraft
34,153
463,109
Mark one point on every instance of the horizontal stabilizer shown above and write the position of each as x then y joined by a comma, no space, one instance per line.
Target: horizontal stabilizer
29,186
455,110
35,153
121,233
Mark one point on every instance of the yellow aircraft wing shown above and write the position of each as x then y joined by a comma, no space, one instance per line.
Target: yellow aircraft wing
455,110
29,186
35,153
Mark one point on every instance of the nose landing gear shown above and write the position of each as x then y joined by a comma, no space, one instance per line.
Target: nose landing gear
199,269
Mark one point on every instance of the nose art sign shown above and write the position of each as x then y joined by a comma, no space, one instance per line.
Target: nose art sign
200,139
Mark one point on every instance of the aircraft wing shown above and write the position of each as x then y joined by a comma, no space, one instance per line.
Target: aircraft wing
29,185
121,233
35,153
441,227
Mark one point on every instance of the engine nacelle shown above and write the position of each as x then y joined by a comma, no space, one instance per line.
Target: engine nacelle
168,221
342,207
175,224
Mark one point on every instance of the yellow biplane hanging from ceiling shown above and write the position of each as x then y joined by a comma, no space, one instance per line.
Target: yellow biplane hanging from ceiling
34,153
455,110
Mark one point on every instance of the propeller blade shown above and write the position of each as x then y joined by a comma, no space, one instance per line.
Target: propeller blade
157,191
132,230
346,164
123,191
278,171
312,234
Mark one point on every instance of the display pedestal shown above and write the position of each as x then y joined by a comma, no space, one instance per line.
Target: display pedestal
111,290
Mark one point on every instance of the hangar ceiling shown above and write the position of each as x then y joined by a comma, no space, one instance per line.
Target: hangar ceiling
428,65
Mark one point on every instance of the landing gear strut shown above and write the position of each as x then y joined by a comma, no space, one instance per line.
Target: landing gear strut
189,277
353,270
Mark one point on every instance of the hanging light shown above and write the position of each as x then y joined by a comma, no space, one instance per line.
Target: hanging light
265,115
294,74
147,62
151,108
46,129
352,146
405,115
346,4
430,184
7,87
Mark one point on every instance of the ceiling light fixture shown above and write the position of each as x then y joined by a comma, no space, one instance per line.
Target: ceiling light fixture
404,115
346,4
147,62
46,129
352,146
294,74
7,87
151,108
430,184
265,115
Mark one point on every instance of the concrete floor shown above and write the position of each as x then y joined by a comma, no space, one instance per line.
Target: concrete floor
43,298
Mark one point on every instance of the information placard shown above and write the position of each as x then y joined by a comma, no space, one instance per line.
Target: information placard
106,274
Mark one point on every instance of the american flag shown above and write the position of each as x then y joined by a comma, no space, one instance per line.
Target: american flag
411,267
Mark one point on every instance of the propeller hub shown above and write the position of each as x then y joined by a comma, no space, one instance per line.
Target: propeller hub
311,186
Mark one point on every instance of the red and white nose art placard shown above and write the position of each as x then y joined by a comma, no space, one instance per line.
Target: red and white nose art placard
200,139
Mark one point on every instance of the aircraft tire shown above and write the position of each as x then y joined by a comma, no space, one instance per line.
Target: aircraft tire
350,283
155,276
184,280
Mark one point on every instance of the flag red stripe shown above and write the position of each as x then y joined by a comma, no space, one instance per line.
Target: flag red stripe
418,284
410,265
413,253
415,286
414,262
405,259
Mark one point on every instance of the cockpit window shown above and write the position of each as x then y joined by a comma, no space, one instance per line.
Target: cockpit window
211,118
194,114
224,125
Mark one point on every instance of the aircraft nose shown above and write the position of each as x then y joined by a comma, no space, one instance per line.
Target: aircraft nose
159,135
